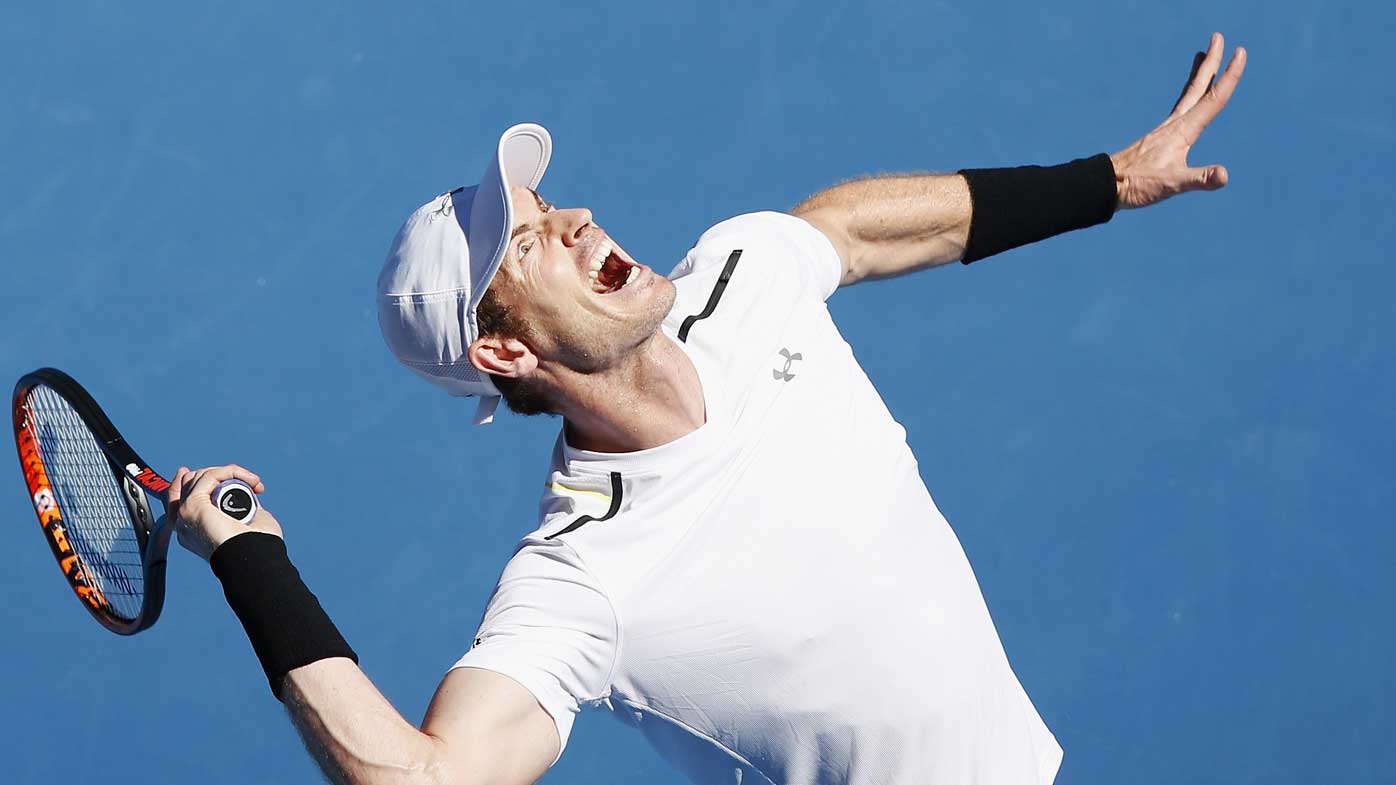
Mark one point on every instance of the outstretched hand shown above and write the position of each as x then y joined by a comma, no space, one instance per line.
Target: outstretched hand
1156,166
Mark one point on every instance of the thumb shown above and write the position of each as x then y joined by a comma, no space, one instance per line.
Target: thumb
1208,178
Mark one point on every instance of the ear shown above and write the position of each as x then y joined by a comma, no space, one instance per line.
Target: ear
502,356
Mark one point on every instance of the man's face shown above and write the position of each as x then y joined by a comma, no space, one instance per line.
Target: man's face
586,302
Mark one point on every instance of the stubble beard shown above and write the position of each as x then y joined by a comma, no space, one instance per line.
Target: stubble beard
600,350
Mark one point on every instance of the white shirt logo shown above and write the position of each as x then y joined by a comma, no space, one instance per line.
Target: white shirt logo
784,374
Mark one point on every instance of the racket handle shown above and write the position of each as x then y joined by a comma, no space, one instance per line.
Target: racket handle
235,499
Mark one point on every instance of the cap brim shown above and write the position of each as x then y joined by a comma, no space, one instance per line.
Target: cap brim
520,159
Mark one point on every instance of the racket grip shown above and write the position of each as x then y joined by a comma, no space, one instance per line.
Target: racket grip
235,499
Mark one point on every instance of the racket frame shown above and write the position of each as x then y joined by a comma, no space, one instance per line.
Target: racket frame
133,475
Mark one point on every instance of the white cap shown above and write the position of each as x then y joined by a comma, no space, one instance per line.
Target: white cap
442,260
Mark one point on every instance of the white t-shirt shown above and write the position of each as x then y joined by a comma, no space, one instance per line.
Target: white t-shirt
774,597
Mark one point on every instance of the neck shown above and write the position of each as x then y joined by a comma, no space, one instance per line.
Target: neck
652,398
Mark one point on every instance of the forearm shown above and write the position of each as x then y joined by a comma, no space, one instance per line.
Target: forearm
481,726
893,224
348,726
354,733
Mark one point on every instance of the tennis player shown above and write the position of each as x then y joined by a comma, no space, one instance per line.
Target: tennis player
735,554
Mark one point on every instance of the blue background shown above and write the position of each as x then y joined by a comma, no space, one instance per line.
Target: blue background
1165,443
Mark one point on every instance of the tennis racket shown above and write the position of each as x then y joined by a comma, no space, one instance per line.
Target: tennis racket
92,494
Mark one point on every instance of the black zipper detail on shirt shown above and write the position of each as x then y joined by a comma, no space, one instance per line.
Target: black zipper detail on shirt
585,519
712,298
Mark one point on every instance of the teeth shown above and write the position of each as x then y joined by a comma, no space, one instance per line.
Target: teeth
599,257
598,260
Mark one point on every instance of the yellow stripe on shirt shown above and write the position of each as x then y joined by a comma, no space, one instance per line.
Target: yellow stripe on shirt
557,486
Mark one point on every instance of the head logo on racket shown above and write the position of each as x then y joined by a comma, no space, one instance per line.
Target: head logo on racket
233,506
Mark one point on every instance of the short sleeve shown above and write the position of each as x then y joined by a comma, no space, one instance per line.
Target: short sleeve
550,627
783,239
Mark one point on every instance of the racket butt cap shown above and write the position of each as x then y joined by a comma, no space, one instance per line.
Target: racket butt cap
235,499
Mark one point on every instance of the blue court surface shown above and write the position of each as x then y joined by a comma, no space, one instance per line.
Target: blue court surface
1166,443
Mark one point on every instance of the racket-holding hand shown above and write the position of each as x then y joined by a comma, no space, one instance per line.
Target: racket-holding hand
200,526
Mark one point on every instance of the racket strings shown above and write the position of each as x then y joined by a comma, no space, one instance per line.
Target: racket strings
97,521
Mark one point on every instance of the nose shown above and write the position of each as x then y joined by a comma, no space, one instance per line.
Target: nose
574,222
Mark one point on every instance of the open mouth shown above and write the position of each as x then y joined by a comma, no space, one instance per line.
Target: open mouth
609,272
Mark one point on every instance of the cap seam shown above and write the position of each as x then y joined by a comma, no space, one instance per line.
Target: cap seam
422,296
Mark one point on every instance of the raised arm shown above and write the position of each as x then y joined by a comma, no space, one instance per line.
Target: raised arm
893,224
481,727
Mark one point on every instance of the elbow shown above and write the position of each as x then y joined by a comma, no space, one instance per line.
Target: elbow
423,762
434,765
855,265
833,222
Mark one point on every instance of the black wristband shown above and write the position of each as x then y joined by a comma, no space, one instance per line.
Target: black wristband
283,620
1024,204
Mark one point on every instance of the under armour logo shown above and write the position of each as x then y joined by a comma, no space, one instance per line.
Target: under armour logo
784,374
445,207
